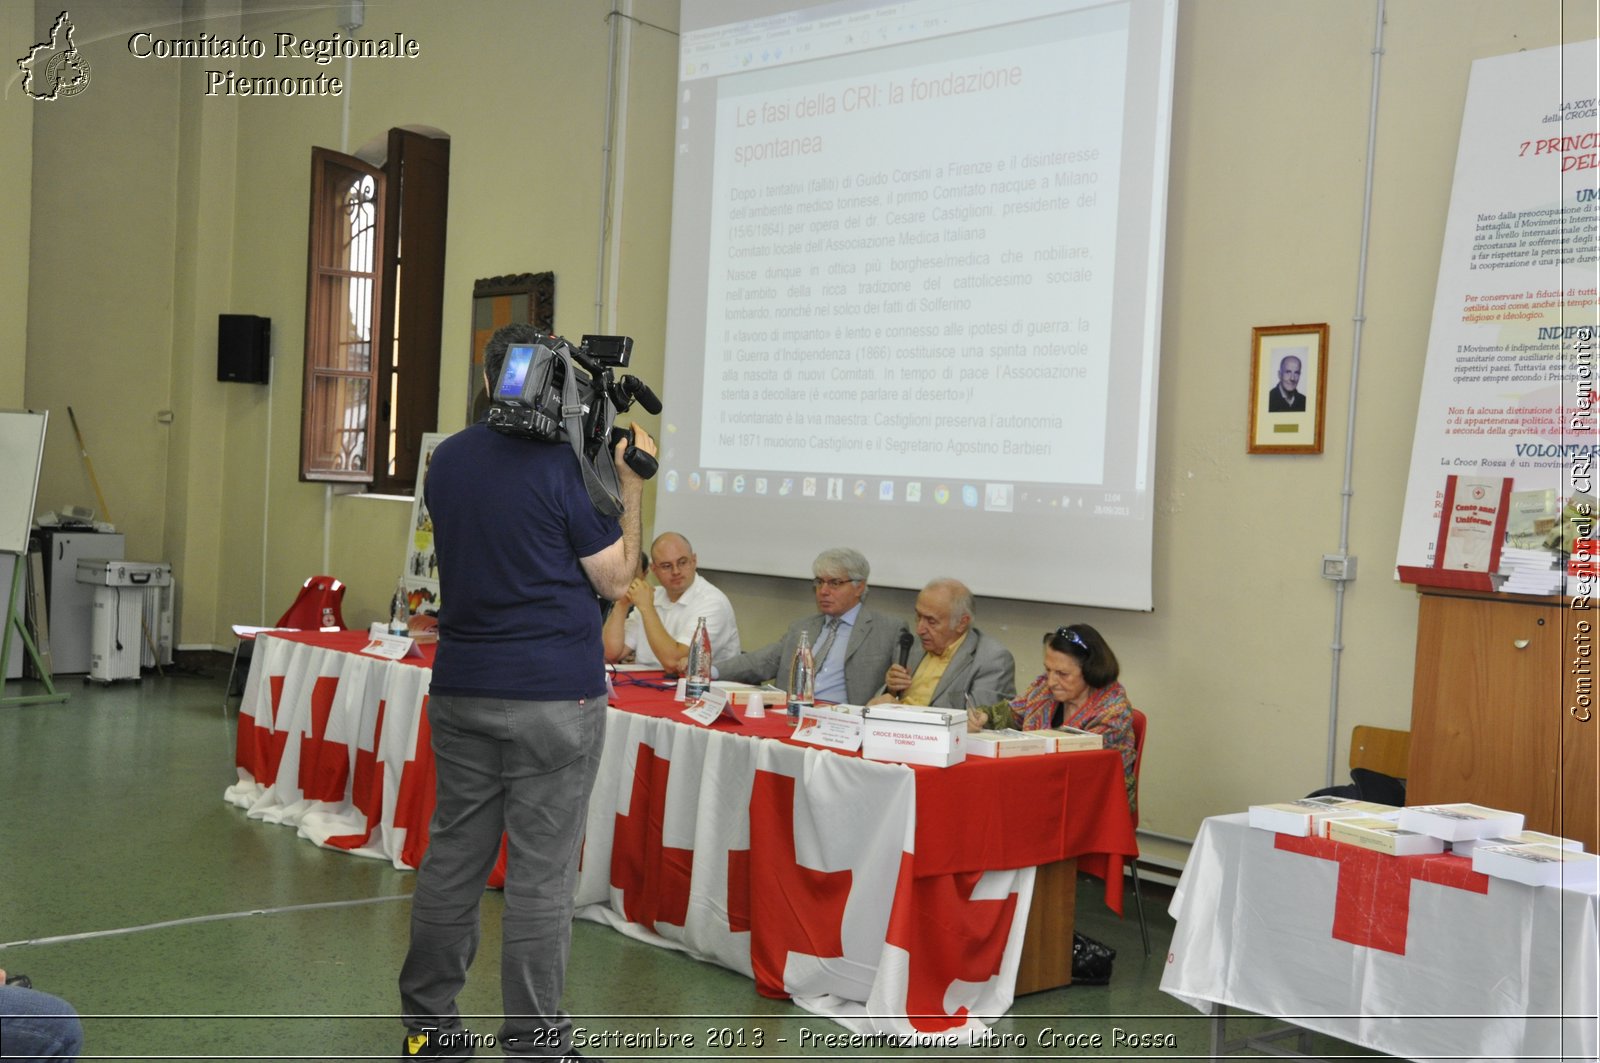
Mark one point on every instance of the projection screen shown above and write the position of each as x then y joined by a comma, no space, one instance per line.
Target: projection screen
915,290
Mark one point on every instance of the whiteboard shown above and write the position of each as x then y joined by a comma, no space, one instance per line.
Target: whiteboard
21,449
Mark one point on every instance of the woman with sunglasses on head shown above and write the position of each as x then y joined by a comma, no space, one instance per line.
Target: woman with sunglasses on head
1079,689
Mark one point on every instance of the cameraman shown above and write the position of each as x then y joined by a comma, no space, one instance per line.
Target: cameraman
517,710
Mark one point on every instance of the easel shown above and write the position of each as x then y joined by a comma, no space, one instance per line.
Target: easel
14,621
22,441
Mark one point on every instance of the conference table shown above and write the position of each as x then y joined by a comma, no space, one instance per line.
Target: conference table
1416,956
893,899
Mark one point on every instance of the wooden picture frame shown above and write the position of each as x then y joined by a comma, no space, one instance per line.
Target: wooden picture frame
1293,425
496,301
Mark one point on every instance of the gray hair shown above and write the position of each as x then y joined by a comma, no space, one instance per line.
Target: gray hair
842,559
960,598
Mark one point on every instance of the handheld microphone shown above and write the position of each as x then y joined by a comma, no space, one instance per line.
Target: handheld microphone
905,647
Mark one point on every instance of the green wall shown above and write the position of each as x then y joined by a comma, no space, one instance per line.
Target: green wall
155,208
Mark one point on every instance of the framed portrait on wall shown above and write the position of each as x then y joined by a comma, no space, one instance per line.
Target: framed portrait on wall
1288,386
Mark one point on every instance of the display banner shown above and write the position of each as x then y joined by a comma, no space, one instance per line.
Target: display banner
1508,389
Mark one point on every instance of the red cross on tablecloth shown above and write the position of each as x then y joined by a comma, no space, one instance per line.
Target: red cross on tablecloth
413,805
947,936
790,908
1373,904
653,878
324,764
366,788
259,749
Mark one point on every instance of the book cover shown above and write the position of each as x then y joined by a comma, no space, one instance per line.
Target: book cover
1472,523
1007,743
1533,516
1303,818
1465,846
1071,739
1456,822
1382,835
1537,865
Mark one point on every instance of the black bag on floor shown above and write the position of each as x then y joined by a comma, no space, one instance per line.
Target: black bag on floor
1091,960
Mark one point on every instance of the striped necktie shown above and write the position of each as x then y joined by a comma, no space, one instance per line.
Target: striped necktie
830,629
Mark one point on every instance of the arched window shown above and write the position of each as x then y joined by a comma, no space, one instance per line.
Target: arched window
372,359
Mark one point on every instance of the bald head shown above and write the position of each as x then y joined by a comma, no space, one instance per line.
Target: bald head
673,561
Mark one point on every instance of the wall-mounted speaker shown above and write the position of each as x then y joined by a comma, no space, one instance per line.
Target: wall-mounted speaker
244,348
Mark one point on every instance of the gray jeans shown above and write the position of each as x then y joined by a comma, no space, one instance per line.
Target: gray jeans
525,768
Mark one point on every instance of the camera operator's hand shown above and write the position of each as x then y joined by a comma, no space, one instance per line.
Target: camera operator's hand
641,442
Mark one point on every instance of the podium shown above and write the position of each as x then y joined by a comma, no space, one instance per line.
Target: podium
1493,709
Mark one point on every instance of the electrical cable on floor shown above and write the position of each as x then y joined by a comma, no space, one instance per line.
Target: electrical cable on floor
193,919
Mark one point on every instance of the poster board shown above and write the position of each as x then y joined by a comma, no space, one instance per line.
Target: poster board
1507,390
21,451
422,564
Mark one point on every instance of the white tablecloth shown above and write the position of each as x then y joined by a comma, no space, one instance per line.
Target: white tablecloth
1418,957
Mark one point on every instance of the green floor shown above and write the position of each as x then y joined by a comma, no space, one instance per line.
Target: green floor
115,837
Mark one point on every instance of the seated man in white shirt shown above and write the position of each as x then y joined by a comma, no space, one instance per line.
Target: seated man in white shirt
657,630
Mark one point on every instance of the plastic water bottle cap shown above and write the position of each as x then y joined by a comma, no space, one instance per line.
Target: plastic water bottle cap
755,708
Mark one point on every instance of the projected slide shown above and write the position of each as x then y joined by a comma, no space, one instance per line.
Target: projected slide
914,290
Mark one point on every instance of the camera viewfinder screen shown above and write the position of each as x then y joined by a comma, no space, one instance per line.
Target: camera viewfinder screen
519,356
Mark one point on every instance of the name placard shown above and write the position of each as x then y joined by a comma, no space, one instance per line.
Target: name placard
825,727
714,706
392,647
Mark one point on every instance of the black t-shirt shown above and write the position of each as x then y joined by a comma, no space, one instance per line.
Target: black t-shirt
517,617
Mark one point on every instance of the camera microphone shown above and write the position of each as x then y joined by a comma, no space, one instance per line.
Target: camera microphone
642,394
905,647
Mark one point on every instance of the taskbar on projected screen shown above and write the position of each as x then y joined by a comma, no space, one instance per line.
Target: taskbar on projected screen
987,496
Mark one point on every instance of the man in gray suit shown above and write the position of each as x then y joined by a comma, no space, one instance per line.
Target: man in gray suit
851,644
954,660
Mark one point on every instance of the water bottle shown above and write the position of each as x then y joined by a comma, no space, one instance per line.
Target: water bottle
399,610
802,680
697,676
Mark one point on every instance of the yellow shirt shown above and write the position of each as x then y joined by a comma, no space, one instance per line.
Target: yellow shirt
929,671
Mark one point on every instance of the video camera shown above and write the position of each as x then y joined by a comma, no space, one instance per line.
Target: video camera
551,391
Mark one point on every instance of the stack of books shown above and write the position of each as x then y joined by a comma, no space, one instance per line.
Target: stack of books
1460,822
1309,816
1008,742
1538,865
1530,571
1382,835
1521,837
1071,739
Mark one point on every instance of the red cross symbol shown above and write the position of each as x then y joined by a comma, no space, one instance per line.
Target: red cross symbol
366,791
324,765
413,805
653,878
787,907
1373,904
258,750
947,936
